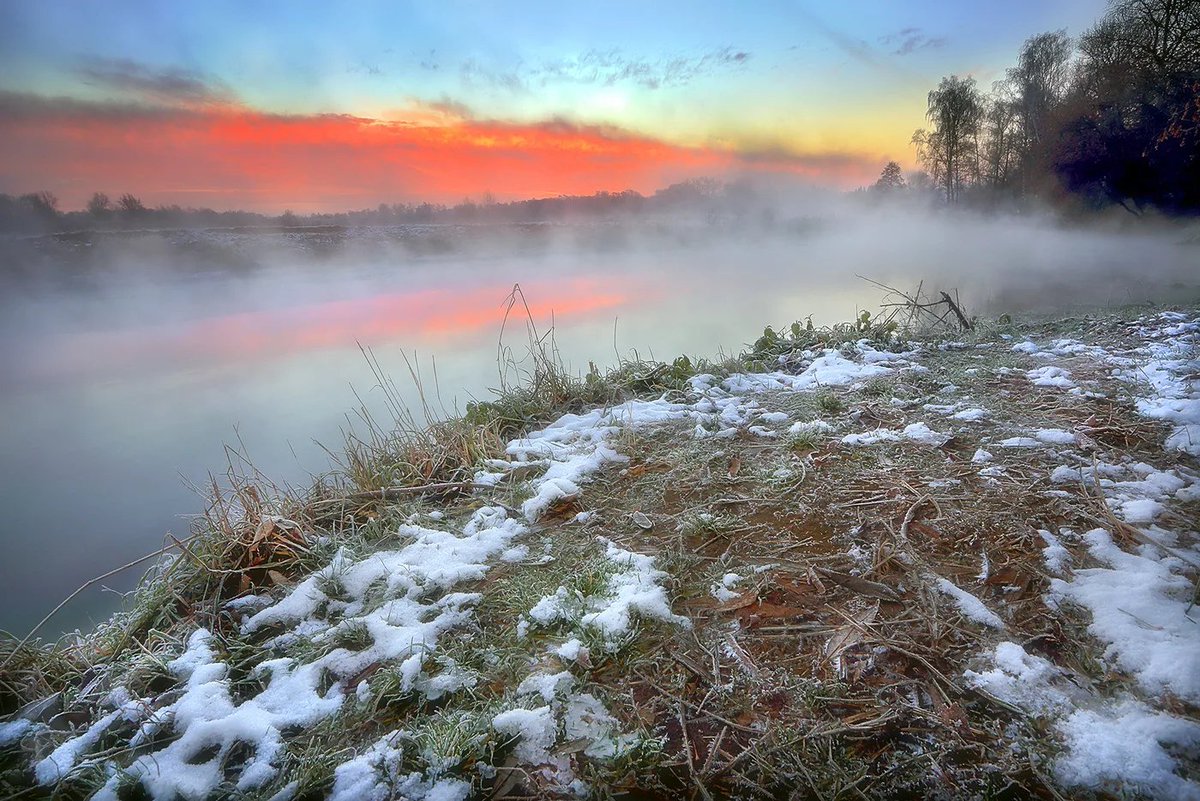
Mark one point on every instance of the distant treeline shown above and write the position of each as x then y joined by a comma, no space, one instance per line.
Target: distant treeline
1110,118
39,213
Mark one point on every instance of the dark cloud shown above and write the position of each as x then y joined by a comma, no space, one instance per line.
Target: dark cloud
170,86
40,108
910,40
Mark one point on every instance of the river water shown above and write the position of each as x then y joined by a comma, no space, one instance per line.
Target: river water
130,361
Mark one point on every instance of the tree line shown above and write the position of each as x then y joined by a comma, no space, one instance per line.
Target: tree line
1112,117
38,212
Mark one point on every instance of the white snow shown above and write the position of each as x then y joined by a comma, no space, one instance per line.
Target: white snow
1139,606
1051,376
1121,748
1057,557
1023,680
1109,745
14,730
1054,436
917,432
971,607
535,730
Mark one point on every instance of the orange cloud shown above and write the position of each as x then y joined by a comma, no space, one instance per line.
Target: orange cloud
231,157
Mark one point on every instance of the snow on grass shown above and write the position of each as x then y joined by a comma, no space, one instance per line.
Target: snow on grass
1171,376
916,432
1020,442
580,718
1054,436
395,607
811,427
971,607
535,730
1140,608
377,775
573,650
631,591
1140,510
1121,748
1108,745
14,730
1056,555
831,369
871,437
724,591
1029,682
400,599
63,759
1050,376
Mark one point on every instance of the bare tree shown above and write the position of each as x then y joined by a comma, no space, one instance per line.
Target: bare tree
100,205
1040,81
1163,36
950,150
130,206
43,203
999,134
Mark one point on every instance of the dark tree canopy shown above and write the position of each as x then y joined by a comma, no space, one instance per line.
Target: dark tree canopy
1113,118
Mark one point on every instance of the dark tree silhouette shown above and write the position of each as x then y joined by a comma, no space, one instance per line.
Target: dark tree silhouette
1129,131
891,179
100,206
130,206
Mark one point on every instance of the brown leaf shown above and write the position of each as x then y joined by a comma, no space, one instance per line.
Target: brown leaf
265,529
860,585
765,609
924,528
735,464
805,592
743,600
277,577
648,467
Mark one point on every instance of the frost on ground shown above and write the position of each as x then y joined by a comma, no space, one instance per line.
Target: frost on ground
932,569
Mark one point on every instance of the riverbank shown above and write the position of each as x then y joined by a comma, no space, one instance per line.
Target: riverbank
855,561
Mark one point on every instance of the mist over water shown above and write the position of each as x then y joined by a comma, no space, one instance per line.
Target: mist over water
130,359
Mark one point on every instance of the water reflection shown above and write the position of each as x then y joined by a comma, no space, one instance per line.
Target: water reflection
119,392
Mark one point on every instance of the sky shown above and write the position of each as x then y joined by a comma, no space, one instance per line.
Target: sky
320,106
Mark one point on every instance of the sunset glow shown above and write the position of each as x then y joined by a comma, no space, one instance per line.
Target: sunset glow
315,109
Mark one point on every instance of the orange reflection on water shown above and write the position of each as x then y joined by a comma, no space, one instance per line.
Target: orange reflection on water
428,317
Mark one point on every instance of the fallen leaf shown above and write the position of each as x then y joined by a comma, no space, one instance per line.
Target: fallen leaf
765,609
735,464
738,602
860,585
642,521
